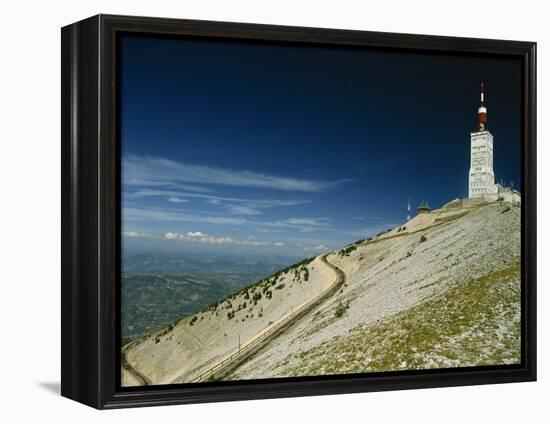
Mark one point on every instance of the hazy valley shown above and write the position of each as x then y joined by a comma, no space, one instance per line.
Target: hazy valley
157,290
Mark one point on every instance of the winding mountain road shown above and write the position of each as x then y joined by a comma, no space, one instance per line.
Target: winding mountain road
234,359
266,335
138,375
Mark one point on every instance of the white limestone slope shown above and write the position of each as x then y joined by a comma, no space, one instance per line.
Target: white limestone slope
397,272
194,344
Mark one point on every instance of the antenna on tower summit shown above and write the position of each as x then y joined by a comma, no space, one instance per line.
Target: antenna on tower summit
482,111
409,210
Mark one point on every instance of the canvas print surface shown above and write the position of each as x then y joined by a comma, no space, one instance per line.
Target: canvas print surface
292,210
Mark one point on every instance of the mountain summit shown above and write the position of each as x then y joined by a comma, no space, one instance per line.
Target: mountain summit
442,290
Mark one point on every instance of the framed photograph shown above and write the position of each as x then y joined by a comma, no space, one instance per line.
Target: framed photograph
254,211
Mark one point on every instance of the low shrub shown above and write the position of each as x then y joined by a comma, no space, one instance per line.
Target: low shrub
341,310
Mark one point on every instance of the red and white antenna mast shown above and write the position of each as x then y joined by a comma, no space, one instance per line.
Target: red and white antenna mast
482,111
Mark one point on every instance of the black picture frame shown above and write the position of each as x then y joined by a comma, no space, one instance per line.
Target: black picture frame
91,214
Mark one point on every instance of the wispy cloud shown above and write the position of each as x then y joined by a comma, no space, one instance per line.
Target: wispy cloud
318,248
317,222
200,237
234,205
157,214
301,224
243,210
137,234
175,199
198,234
157,171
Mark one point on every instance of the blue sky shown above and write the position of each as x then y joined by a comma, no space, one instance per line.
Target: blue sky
243,147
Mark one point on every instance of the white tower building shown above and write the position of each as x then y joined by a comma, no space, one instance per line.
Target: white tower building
482,175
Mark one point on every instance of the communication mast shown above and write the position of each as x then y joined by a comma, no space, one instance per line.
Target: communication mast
409,210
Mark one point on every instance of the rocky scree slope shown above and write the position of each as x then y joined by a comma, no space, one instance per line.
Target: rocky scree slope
443,290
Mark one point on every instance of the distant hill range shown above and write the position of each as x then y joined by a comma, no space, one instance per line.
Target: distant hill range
156,289
442,290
